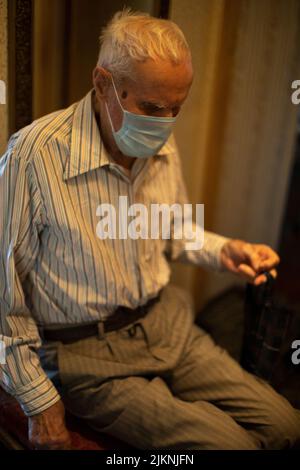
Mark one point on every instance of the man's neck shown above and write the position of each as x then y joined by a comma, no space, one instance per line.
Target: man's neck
108,139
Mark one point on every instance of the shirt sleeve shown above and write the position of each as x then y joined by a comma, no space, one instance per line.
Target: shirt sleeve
210,244
21,373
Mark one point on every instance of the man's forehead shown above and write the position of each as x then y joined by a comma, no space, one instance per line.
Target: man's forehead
158,72
155,81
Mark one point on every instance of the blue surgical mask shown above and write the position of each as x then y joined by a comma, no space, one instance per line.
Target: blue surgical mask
141,136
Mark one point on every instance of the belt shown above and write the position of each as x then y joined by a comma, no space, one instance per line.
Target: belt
122,316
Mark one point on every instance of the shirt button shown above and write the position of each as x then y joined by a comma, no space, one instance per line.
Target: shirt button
147,256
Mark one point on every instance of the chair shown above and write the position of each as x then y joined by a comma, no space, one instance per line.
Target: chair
13,430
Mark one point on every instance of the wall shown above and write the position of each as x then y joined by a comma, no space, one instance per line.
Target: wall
66,44
237,131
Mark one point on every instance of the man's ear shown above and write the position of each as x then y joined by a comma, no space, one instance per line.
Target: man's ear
101,81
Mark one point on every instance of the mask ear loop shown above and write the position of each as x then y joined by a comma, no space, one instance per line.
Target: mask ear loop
107,110
117,94
109,118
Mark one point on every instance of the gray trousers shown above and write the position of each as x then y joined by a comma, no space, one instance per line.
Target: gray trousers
162,383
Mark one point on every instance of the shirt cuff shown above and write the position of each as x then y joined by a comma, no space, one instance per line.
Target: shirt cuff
37,396
214,244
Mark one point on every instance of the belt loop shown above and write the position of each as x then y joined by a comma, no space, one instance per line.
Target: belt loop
41,333
101,333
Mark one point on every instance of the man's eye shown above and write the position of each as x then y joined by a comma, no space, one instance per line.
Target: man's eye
150,108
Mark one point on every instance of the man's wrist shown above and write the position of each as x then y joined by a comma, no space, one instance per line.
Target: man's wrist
222,254
219,242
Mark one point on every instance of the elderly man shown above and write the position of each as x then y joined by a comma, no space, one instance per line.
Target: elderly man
93,322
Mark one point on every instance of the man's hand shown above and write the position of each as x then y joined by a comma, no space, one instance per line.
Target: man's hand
248,260
47,430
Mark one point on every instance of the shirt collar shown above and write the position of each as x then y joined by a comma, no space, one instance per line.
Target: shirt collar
87,151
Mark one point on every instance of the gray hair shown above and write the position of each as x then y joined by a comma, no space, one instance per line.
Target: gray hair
135,36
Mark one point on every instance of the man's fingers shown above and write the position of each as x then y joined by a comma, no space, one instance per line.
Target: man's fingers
268,258
247,272
251,276
261,259
252,256
261,278
273,260
54,445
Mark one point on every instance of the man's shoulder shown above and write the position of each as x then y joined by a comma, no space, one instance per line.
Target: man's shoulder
30,140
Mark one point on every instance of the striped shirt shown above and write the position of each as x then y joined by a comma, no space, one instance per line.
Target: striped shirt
54,269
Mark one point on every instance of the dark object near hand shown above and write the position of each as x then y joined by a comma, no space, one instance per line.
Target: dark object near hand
270,329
